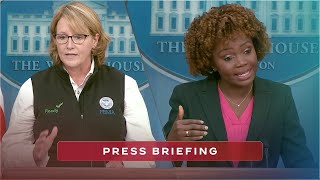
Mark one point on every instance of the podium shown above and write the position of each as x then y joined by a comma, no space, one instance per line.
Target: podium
157,173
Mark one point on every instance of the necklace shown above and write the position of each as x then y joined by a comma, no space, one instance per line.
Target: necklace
238,105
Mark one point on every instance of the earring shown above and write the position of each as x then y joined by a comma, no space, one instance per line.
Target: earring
214,70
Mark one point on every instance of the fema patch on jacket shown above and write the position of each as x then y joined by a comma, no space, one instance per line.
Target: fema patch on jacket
106,103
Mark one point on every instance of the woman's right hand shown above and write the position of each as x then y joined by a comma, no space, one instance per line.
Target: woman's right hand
187,129
43,144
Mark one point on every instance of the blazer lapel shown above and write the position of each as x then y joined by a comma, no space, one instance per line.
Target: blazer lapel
260,110
210,102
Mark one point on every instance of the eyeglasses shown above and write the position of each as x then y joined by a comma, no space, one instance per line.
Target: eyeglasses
76,38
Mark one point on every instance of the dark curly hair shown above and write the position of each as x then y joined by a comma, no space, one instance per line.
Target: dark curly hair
221,23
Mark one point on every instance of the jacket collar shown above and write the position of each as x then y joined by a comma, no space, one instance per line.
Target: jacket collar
211,106
262,97
65,76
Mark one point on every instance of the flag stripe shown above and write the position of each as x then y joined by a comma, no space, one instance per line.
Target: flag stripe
2,123
2,119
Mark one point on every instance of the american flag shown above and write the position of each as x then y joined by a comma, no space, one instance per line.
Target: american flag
2,120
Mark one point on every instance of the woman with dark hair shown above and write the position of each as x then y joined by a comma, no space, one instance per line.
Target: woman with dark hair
232,103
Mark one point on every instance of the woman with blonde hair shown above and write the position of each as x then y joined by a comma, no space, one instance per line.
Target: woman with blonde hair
77,99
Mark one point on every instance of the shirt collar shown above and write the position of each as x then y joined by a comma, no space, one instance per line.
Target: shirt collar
90,71
86,77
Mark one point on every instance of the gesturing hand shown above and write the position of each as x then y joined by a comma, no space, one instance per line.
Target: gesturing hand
187,129
43,144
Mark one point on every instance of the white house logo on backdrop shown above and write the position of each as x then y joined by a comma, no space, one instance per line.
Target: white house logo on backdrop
292,25
26,35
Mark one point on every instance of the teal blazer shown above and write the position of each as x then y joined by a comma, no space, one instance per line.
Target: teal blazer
274,121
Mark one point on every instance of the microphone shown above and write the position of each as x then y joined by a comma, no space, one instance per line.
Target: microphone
266,150
267,154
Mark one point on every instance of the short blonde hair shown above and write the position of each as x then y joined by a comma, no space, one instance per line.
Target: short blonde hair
82,19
